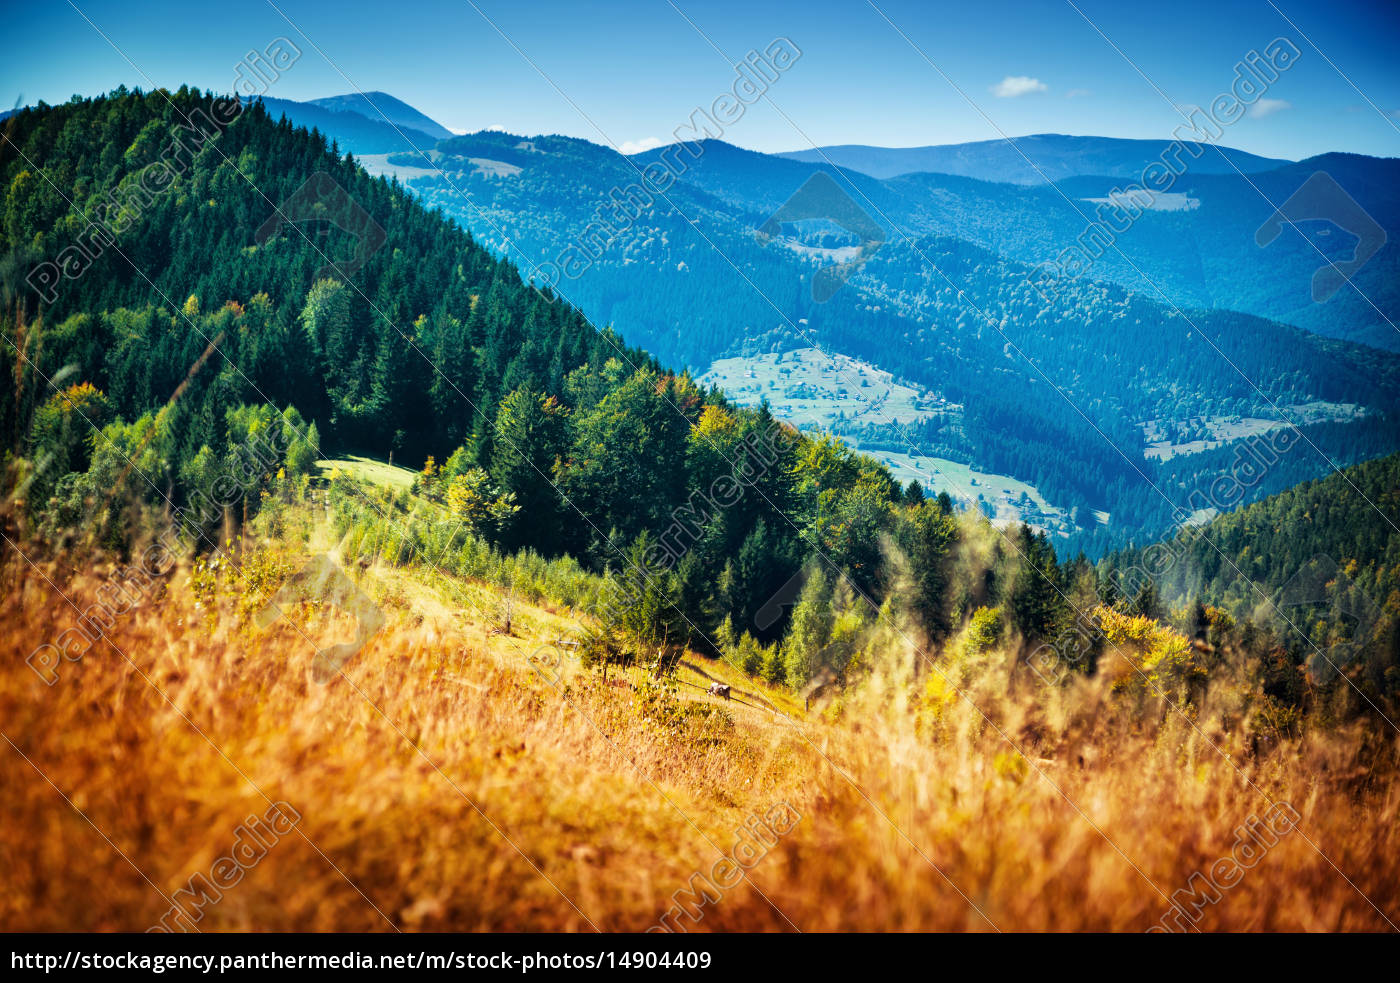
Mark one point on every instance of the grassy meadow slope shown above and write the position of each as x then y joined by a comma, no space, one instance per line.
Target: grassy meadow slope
446,782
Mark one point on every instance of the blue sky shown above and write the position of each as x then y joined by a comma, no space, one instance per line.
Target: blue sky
636,71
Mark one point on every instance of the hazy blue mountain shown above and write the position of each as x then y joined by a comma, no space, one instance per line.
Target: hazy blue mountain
1055,157
352,131
1195,247
686,276
379,106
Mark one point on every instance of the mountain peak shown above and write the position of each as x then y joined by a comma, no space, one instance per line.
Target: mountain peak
379,106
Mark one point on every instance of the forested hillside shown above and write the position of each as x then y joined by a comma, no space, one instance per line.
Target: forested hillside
1318,563
188,334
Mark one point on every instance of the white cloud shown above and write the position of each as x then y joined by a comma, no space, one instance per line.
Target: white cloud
630,147
1267,107
1017,85
1076,93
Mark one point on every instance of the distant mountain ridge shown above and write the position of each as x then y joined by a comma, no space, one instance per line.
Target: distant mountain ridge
379,106
359,130
1194,248
1056,156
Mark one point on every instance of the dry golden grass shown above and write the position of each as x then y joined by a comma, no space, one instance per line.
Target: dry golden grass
443,785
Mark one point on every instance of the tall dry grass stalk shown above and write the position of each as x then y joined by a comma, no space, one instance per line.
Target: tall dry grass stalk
442,785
